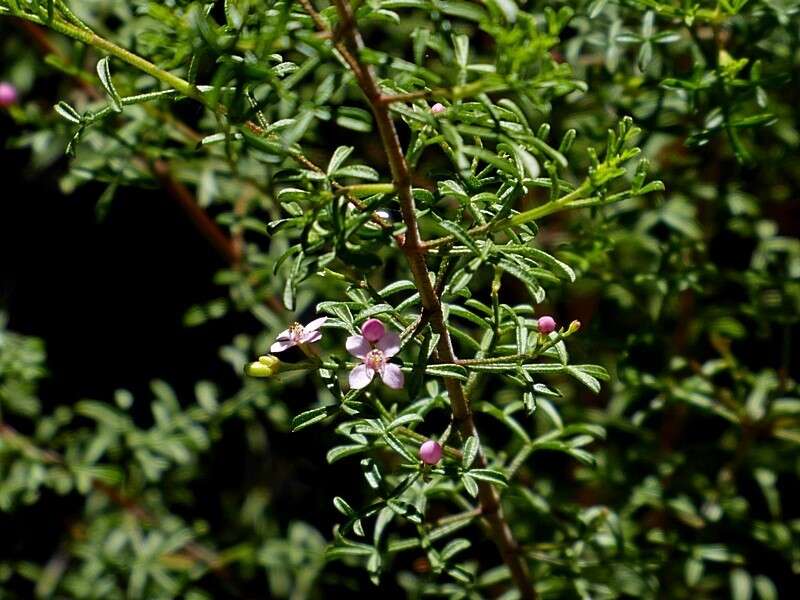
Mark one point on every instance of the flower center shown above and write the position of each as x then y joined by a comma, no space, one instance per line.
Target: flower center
296,331
375,359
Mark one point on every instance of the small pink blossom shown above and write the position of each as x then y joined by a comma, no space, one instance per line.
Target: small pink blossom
375,352
430,452
546,324
8,94
298,334
438,108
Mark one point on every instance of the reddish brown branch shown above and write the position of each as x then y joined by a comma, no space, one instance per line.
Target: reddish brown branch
490,507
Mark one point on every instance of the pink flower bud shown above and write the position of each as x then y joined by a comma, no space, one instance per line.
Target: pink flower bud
438,108
430,452
8,94
373,330
547,324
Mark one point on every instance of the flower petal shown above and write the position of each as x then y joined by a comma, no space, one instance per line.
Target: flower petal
389,343
310,338
360,377
281,345
284,335
357,346
315,325
392,376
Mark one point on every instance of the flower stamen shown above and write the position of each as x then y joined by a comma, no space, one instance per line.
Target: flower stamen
375,359
296,331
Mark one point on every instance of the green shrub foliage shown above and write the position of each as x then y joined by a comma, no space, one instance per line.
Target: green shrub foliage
455,169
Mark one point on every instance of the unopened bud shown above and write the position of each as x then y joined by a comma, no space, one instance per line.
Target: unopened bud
258,369
271,361
546,324
574,326
373,330
8,94
438,108
430,452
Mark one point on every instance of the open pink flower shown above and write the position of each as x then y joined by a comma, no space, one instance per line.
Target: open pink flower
298,334
375,357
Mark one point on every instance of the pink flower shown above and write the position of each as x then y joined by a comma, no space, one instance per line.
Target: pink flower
375,351
8,94
438,108
430,452
546,324
298,334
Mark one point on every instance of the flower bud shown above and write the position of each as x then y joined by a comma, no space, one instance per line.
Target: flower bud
373,330
271,361
258,369
546,324
574,326
438,108
8,94
430,452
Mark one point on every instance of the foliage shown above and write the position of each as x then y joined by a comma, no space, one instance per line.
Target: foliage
334,190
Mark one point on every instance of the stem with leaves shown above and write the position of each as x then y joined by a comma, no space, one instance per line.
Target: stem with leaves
413,249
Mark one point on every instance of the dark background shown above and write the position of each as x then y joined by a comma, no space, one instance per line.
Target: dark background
108,298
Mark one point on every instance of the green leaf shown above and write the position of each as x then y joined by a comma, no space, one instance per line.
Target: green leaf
470,450
404,420
355,119
560,268
396,445
470,485
358,172
585,378
343,507
525,276
507,7
490,475
104,72
67,112
339,452
397,286
741,585
339,156
460,234
454,547
315,415
463,9
452,371
297,129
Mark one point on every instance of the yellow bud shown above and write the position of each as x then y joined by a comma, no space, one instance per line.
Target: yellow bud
269,360
258,369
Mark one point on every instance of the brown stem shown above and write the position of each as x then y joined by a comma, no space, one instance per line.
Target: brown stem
489,499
